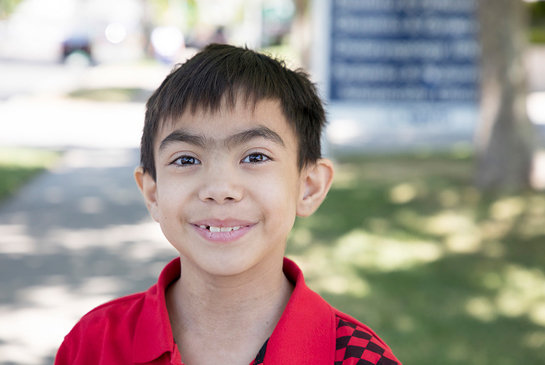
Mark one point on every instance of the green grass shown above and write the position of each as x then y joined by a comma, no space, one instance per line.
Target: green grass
444,274
18,165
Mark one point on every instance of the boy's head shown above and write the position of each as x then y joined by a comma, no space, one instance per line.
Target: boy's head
225,74
230,155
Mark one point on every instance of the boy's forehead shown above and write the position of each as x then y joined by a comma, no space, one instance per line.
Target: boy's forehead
243,114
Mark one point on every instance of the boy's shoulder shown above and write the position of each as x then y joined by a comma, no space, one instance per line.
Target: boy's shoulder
124,312
133,328
103,331
122,308
312,331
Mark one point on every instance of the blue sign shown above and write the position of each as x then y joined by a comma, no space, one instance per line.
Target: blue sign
404,50
400,71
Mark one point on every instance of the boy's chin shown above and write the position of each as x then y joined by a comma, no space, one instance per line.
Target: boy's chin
230,265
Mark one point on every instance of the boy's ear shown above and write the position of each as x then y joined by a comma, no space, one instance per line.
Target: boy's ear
148,188
316,182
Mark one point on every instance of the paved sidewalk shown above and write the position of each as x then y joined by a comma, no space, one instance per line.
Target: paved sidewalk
80,234
73,238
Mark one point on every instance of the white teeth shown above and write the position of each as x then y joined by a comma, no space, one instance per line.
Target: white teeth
221,229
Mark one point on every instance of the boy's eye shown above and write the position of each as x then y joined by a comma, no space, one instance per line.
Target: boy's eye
186,160
255,158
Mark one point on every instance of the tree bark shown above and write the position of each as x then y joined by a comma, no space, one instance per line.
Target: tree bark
504,140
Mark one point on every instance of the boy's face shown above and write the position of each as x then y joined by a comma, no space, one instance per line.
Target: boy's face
228,186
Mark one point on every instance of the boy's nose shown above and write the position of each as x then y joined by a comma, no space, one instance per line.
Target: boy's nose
220,188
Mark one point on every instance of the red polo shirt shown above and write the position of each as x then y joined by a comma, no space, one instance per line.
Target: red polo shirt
136,330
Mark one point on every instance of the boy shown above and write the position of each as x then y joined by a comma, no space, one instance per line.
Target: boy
230,155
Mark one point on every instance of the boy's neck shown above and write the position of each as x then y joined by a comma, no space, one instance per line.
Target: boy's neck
237,314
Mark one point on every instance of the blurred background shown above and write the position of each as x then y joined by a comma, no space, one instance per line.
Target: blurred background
434,230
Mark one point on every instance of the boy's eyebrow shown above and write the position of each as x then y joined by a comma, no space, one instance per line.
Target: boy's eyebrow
180,135
252,133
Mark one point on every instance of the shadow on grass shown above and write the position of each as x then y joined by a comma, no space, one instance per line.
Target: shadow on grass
443,274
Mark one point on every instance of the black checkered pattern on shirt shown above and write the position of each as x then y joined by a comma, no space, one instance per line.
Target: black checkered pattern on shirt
357,347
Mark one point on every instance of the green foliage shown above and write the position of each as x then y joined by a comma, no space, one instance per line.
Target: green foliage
537,12
537,22
7,7
444,274
17,166
537,35
162,8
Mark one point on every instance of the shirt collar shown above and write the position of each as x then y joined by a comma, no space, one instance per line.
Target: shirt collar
305,333
153,334
306,324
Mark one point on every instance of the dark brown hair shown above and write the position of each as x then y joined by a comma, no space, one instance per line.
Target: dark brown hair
224,72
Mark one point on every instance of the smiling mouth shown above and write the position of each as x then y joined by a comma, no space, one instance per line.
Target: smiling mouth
221,229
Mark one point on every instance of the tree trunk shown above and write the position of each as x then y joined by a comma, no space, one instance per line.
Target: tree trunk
300,32
504,138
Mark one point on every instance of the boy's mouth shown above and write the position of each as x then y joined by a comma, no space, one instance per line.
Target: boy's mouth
226,230
223,230
220,229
